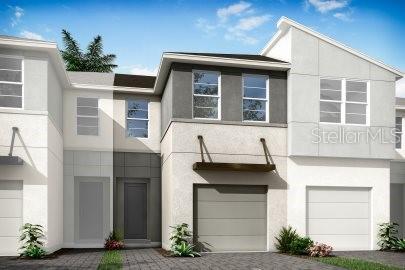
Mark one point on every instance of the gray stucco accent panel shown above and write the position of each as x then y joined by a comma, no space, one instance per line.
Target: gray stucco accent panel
278,100
231,95
182,94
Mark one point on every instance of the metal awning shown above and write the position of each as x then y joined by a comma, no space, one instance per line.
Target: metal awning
10,159
244,167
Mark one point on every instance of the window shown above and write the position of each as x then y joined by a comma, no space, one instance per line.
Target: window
11,82
343,101
206,95
255,98
137,118
87,116
398,132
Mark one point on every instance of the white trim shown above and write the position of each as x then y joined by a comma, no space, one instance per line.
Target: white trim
284,23
267,99
138,119
343,101
218,96
134,90
16,83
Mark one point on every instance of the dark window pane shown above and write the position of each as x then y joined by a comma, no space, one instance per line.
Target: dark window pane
87,121
10,63
356,108
331,95
88,102
398,120
138,114
131,123
254,115
205,89
10,89
93,131
87,111
211,113
138,133
11,102
205,101
205,77
254,81
356,86
10,76
137,105
330,107
254,92
330,117
356,97
251,104
398,141
355,119
331,84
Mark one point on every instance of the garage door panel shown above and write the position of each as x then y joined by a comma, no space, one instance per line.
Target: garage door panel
344,242
338,226
9,246
10,226
10,207
338,195
234,243
231,209
231,227
338,210
231,194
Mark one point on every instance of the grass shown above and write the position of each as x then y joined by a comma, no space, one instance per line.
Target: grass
355,264
112,260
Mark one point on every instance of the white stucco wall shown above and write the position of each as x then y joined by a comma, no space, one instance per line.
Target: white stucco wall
225,143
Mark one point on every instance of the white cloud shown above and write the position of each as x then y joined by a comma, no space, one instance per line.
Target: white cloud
324,6
344,16
242,37
17,14
205,25
400,88
250,23
141,70
31,35
235,9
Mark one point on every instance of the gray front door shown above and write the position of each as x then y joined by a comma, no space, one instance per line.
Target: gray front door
135,211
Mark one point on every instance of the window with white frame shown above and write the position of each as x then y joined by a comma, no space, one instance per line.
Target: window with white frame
206,95
137,118
87,116
343,101
398,132
255,98
11,82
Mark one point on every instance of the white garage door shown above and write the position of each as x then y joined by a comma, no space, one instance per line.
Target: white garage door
10,216
339,217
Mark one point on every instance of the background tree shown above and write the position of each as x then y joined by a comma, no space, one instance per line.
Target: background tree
93,60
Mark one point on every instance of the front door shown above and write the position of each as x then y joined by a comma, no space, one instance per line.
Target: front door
135,211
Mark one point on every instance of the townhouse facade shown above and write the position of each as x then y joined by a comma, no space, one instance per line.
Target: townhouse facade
235,145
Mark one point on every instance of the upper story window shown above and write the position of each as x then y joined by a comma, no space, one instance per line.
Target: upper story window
137,118
206,95
398,132
11,82
344,101
255,98
87,116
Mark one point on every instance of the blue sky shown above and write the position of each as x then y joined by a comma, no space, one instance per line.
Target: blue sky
139,31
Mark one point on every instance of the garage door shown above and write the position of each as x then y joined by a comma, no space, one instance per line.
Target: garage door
10,216
230,218
339,217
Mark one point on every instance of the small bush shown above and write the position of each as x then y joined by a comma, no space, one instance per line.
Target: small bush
320,250
388,237
285,238
400,245
301,245
31,236
114,241
181,238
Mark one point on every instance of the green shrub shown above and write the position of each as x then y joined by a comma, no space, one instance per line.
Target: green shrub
387,235
400,245
33,246
285,238
181,238
301,245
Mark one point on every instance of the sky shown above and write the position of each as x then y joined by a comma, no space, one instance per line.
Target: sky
138,31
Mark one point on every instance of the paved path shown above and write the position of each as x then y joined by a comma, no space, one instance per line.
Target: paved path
392,258
151,259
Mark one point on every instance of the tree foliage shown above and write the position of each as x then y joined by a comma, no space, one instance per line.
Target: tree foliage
93,60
